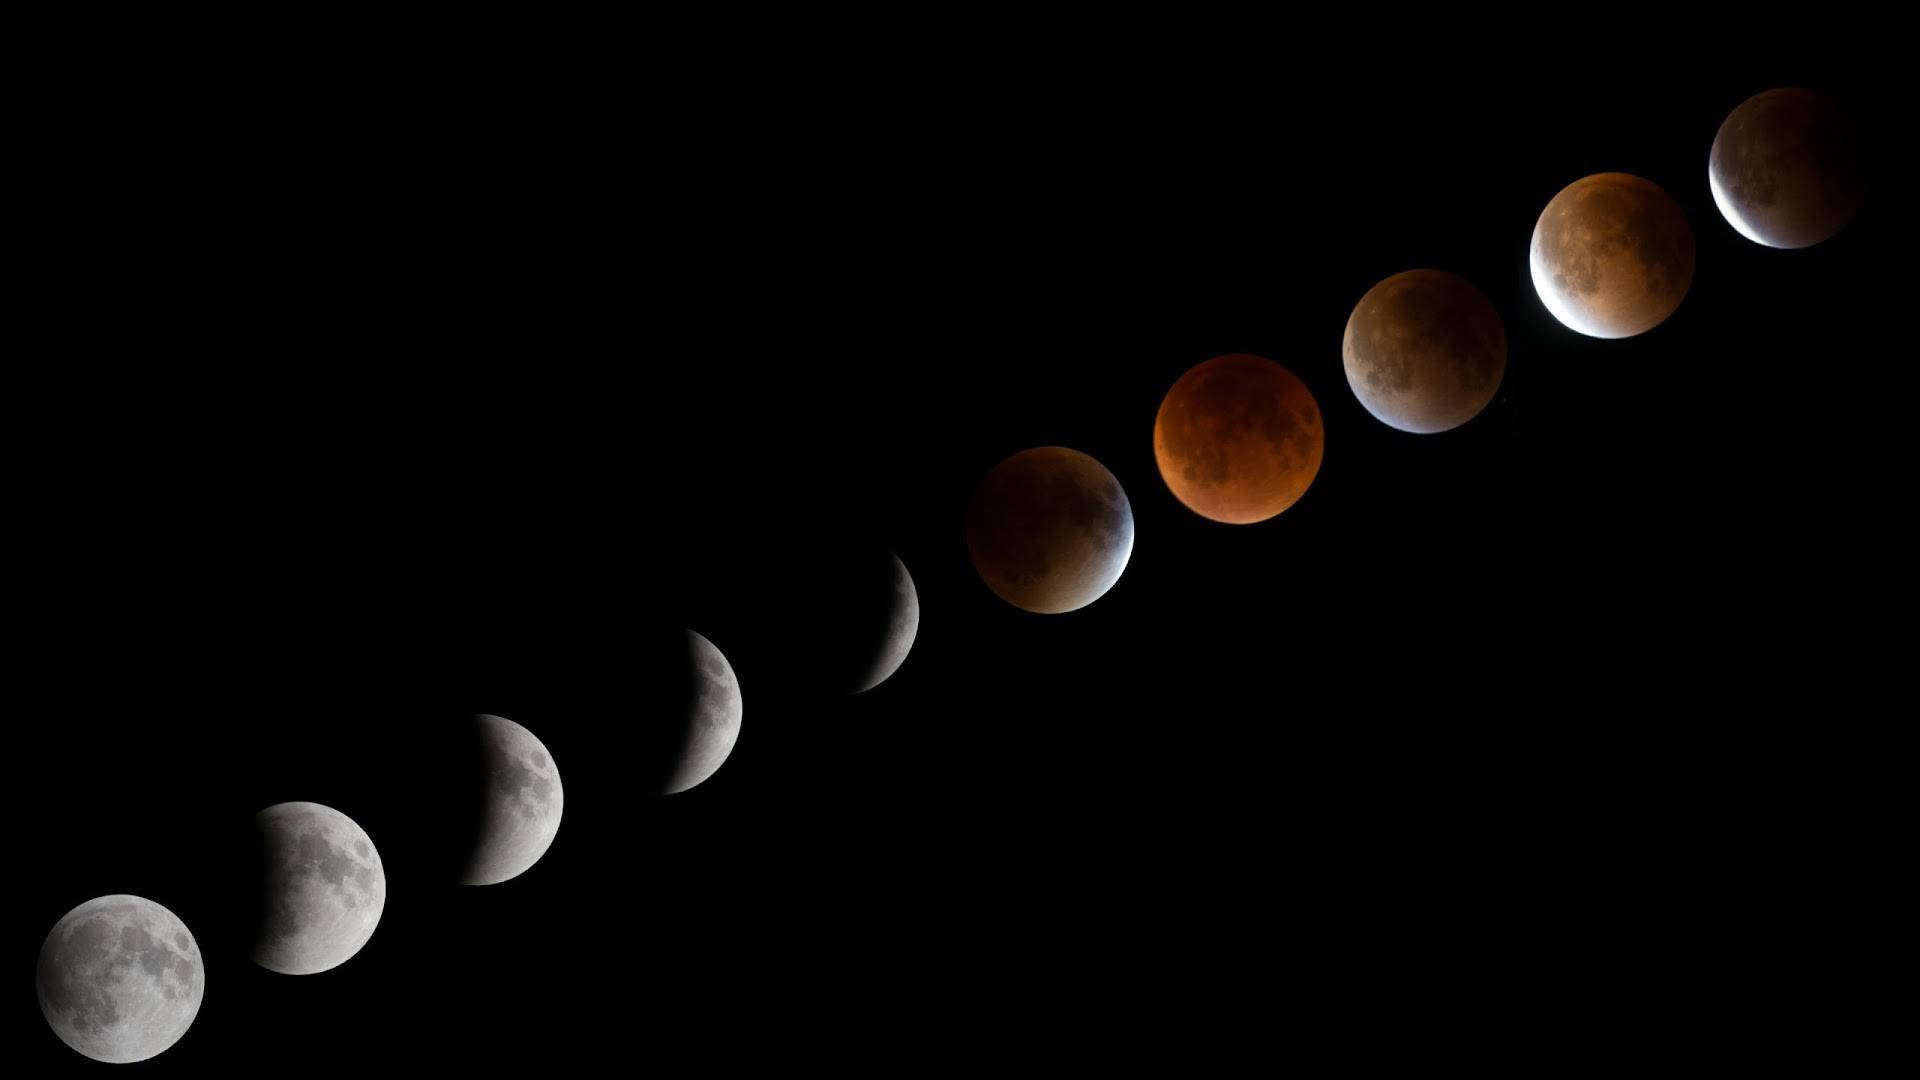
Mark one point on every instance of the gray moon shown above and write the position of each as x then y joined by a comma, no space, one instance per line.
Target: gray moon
1050,530
325,888
1612,255
713,717
903,623
1785,169
1424,351
523,800
120,978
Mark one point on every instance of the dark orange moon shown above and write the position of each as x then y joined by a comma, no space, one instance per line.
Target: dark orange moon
1238,439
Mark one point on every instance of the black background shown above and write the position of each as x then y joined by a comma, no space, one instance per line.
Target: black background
347,407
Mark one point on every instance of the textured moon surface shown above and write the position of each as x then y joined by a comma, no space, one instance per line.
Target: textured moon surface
325,888
1424,351
713,717
1050,530
120,978
902,623
1612,255
1238,439
1785,169
520,811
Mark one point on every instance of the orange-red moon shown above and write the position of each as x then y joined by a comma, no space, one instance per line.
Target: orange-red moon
1238,439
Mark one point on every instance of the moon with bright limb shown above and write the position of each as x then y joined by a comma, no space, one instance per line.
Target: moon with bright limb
1424,351
1612,255
1785,169
712,720
1050,530
324,888
520,805
891,634
120,978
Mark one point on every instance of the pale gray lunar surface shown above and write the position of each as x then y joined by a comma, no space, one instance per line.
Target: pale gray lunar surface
1612,255
713,719
903,622
1785,170
523,802
120,978
1424,351
325,888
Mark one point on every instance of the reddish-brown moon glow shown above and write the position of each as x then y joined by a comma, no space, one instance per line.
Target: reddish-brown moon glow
1238,439
1050,530
1785,169
1424,351
1612,255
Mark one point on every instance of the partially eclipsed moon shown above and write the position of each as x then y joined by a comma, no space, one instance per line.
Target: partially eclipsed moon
120,979
1238,439
1785,169
901,623
712,720
520,809
1424,351
1612,255
325,888
1050,530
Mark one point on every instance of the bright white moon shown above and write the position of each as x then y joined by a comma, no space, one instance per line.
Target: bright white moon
120,978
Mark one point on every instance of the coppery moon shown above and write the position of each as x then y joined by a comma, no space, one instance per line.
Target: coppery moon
1238,439
1424,351
1612,255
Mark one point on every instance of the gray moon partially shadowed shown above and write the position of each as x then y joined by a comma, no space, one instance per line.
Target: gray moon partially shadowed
520,810
903,622
120,978
1424,351
713,717
1785,169
1050,530
1612,255
325,888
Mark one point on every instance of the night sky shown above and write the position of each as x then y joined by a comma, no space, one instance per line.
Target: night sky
344,417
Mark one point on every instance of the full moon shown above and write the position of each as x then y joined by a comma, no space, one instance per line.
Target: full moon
1612,255
520,807
325,888
712,721
1424,351
1238,439
1050,530
120,978
1785,169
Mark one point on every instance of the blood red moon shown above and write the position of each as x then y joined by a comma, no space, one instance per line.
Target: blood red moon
1238,439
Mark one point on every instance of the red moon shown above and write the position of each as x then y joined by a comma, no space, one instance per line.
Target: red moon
1238,439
